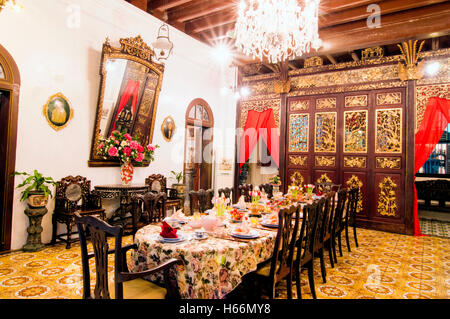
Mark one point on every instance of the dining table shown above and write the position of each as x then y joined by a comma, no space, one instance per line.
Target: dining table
212,266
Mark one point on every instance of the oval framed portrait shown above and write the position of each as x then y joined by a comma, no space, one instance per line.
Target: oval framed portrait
58,111
168,128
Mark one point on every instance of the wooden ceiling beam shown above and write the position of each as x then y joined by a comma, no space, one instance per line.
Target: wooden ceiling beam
163,5
141,4
418,24
197,10
211,21
360,13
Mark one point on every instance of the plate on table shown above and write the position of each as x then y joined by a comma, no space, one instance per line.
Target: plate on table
251,235
269,225
181,237
174,220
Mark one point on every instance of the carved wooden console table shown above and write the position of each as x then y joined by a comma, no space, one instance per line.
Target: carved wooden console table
124,193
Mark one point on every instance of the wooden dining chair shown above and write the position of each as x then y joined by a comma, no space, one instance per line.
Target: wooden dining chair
200,200
148,208
279,267
129,283
304,252
326,187
268,189
339,225
225,192
322,224
327,237
352,208
245,190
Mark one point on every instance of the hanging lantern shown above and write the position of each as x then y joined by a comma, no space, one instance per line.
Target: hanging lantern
163,46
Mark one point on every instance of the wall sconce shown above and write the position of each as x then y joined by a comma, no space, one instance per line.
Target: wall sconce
163,46
11,4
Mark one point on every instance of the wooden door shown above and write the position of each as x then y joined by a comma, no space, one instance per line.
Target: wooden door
4,112
355,139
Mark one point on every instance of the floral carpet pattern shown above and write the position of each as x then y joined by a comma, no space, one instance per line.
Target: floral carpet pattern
384,266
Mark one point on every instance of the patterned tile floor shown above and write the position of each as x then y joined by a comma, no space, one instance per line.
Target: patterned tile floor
434,227
385,266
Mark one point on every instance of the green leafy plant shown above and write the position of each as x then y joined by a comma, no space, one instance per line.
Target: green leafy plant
275,180
178,176
35,182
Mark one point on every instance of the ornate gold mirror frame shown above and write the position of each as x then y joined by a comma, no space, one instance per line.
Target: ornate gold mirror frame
142,108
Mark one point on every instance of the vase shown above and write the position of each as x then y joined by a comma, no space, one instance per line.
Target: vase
126,173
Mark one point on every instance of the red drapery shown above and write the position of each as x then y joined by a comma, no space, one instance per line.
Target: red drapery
260,124
435,120
132,89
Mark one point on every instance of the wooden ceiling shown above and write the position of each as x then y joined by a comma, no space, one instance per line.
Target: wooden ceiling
342,23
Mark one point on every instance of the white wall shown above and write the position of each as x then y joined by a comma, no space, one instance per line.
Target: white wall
56,54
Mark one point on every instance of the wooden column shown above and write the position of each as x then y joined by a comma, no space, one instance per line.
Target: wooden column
237,140
284,76
410,149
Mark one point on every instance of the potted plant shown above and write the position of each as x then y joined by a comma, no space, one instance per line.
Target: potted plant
36,193
179,186
276,182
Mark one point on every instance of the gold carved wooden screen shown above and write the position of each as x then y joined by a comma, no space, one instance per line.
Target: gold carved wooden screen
354,139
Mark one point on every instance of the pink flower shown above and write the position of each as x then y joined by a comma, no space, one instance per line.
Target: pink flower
127,136
150,147
117,142
134,145
112,151
140,157
127,151
100,145
140,148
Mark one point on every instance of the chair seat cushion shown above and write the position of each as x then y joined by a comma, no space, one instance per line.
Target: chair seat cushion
264,268
139,289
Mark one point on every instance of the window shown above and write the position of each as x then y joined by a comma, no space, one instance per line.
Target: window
2,72
439,161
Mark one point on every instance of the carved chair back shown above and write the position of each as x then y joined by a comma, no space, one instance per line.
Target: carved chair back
245,190
308,232
321,212
352,205
268,189
201,200
331,207
158,183
154,209
282,258
71,190
225,192
340,206
99,231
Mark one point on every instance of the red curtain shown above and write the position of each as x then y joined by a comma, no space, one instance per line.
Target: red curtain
132,89
260,124
435,120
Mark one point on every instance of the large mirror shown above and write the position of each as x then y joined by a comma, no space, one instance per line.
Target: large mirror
128,98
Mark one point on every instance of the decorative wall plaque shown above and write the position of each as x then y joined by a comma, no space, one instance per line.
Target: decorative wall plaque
355,162
326,103
298,160
387,205
389,98
300,105
58,111
328,161
388,162
355,100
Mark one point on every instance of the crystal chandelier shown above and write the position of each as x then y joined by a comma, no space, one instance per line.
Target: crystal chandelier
277,29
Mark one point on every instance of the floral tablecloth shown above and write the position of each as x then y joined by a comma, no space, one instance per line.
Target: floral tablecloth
212,267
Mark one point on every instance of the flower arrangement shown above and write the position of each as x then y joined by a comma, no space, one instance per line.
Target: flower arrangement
220,205
256,196
236,215
294,190
125,148
309,188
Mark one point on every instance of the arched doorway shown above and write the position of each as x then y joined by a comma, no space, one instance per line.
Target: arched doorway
199,143
9,101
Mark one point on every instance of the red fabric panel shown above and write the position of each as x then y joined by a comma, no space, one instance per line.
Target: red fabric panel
132,88
435,120
259,124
